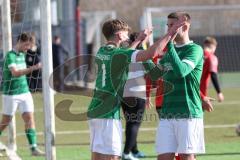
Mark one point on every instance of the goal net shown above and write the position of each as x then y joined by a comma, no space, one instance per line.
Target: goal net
220,21
72,138
91,41
16,17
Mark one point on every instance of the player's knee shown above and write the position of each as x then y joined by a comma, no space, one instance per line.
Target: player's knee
28,118
5,123
187,156
27,115
6,120
166,156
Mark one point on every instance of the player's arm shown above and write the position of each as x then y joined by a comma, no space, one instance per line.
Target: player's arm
202,95
154,71
158,47
214,77
135,43
19,72
148,91
142,38
183,67
155,49
216,85
215,82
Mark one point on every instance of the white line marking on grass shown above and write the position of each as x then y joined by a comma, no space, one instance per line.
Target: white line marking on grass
206,126
227,103
82,109
141,129
221,126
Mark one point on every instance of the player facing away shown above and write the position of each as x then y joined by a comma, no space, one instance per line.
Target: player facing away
16,91
210,69
113,63
180,128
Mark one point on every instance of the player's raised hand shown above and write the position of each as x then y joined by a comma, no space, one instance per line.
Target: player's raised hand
141,36
144,34
148,32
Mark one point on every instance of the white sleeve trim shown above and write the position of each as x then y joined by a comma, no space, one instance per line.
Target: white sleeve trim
136,74
134,56
12,65
189,62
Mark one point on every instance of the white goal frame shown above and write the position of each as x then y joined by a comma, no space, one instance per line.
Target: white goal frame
147,15
48,95
7,45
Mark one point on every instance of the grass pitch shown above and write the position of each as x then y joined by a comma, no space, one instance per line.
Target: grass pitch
72,138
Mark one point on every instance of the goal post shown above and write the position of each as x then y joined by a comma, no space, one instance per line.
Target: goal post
46,60
48,95
7,46
152,15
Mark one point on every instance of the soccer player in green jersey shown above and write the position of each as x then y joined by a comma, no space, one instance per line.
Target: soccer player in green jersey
113,63
16,91
180,127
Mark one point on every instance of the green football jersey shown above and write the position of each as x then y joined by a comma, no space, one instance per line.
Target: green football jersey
184,65
113,64
14,85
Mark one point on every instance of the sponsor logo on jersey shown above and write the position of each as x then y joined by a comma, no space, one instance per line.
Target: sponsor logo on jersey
103,57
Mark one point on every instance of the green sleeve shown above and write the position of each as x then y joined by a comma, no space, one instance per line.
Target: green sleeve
130,53
148,65
10,59
183,67
152,70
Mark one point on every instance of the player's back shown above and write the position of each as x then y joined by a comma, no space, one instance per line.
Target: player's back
13,85
112,71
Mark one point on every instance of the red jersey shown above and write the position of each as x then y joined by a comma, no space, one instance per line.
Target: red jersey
210,65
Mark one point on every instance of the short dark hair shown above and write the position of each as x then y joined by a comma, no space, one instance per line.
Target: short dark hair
32,37
133,36
176,15
56,37
24,37
210,41
110,27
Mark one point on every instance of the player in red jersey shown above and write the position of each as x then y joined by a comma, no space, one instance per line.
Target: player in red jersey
210,69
